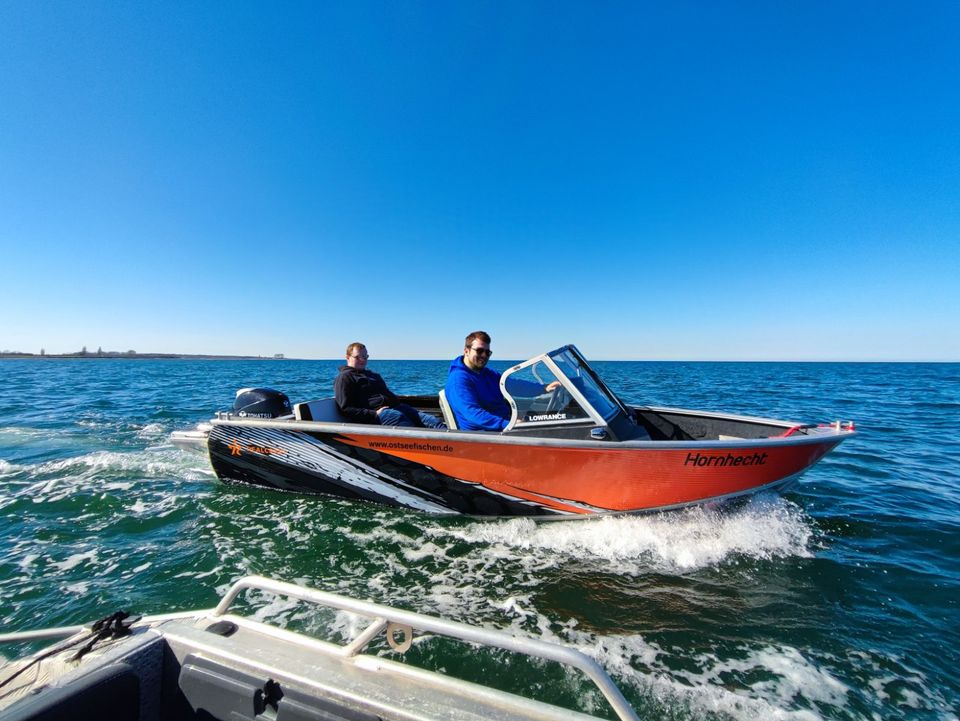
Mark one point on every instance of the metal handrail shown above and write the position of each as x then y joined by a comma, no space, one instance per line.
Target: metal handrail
43,634
452,629
40,634
384,617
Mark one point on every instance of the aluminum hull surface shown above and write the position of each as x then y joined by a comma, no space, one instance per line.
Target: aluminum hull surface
225,665
487,474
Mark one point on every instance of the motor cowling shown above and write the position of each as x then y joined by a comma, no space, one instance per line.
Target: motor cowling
261,403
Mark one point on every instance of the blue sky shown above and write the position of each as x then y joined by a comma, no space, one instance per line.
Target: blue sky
711,180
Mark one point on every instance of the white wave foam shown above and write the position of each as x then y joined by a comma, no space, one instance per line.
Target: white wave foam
75,560
349,625
12,434
27,561
748,682
898,685
152,431
644,666
149,462
93,471
277,607
161,508
797,675
506,561
7,468
196,575
114,486
671,542
792,675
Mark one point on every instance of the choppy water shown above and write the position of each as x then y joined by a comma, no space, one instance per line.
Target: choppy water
837,601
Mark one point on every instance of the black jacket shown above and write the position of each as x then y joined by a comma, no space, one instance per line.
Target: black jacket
360,393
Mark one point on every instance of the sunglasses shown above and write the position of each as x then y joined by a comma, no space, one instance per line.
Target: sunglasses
481,351
360,355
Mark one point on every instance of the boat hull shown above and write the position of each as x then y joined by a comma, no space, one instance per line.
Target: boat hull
495,475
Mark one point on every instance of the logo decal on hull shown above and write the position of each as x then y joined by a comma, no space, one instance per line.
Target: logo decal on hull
236,449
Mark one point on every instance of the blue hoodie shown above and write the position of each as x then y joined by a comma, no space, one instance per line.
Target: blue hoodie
475,397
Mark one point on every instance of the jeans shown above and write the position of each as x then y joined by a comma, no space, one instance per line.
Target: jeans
404,415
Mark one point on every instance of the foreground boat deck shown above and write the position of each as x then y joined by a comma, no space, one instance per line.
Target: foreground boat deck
215,665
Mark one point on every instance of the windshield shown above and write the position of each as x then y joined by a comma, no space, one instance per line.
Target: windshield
527,387
574,369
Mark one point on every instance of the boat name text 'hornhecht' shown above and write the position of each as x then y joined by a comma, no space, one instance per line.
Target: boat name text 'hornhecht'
702,459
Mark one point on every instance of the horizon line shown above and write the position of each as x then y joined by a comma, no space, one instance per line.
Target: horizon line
121,355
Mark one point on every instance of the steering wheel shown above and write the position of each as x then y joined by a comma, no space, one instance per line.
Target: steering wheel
559,398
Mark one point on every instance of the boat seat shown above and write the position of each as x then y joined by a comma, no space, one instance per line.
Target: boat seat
324,410
448,416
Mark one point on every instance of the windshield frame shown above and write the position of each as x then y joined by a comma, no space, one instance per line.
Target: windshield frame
546,358
596,377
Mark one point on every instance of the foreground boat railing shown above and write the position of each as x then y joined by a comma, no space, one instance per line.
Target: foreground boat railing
49,634
390,621
40,634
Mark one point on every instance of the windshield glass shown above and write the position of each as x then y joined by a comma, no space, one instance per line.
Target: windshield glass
527,387
580,377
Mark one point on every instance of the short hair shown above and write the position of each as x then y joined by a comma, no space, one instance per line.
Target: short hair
476,335
354,346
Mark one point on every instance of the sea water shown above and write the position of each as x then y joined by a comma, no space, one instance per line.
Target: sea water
837,600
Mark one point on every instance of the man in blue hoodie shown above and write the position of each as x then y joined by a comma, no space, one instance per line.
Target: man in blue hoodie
473,390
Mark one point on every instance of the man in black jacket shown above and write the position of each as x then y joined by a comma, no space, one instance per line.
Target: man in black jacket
363,397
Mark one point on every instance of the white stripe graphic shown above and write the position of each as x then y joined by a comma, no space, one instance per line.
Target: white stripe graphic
302,451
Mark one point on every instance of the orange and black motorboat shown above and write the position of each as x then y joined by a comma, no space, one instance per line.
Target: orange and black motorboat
578,450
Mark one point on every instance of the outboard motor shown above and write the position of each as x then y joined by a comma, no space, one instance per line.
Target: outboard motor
261,403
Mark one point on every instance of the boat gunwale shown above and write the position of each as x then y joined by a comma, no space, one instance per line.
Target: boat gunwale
821,434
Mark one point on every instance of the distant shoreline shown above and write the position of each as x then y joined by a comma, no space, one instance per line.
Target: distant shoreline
113,355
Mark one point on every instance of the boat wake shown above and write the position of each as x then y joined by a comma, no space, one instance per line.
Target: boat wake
7,468
671,543
155,462
634,575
